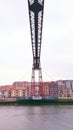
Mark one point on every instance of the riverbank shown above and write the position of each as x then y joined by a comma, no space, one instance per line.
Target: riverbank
38,102
46,102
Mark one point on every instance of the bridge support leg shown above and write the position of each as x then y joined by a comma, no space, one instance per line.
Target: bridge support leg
35,86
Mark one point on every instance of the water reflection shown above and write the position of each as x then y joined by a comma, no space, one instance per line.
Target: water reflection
36,118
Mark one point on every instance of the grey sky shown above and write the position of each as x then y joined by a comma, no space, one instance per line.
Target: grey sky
15,41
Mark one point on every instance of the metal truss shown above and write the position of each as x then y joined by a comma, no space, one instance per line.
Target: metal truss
36,20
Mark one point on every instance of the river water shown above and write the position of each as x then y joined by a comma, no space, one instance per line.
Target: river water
36,117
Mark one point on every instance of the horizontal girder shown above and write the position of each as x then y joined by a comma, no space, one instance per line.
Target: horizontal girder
36,20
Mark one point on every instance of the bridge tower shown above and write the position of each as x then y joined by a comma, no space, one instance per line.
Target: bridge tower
36,8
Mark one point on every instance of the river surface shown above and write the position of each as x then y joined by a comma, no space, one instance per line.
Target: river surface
36,117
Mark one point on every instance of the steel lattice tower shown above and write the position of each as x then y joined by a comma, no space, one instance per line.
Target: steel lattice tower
36,8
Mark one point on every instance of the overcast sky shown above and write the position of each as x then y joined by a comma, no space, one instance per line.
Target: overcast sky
15,41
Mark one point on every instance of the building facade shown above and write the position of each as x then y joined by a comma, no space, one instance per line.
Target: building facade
61,89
